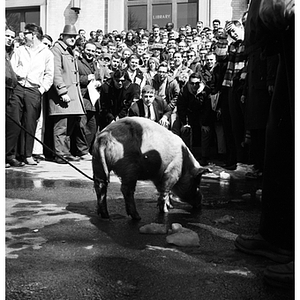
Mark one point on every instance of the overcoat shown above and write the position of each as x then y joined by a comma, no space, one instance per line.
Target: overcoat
66,81
86,68
262,68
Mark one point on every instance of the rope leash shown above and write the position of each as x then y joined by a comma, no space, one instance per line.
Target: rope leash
44,145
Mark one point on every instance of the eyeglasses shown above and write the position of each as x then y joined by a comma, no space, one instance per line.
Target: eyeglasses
48,45
28,32
195,83
119,80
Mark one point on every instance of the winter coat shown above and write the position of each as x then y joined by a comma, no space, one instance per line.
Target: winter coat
86,68
66,81
262,69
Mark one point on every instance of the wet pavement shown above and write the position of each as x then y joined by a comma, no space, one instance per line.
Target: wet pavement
58,248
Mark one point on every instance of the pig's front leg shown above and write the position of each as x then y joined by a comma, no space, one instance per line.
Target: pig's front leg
128,190
163,202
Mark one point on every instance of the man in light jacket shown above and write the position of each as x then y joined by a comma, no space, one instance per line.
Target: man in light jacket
34,67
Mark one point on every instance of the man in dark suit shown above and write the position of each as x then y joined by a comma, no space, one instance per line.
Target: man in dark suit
151,107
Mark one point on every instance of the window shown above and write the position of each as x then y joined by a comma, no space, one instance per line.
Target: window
137,17
17,19
186,14
161,14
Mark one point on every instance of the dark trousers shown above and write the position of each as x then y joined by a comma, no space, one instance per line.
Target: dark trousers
48,133
236,111
277,224
23,106
257,147
200,134
88,123
10,143
68,136
227,127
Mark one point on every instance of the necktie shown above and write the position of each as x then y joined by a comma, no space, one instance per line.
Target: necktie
149,112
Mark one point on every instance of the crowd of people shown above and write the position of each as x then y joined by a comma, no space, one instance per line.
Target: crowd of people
232,83
198,79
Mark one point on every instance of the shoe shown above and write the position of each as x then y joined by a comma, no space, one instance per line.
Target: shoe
59,160
230,167
72,158
30,161
86,157
280,275
256,245
38,157
14,162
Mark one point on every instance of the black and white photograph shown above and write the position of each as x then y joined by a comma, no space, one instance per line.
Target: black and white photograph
150,150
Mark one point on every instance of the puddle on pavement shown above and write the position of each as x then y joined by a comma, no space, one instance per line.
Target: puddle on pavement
24,213
22,180
24,219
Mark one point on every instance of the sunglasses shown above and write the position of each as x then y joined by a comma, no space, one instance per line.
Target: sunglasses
195,83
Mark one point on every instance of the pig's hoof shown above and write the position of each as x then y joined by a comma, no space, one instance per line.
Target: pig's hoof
104,215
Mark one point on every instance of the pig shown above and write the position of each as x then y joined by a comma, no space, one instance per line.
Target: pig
136,148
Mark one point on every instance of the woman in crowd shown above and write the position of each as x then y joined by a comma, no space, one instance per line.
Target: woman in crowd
129,39
152,66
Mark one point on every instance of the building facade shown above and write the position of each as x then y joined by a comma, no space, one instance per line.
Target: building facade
108,15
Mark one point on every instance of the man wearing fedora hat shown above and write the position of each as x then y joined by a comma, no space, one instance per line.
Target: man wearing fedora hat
65,100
